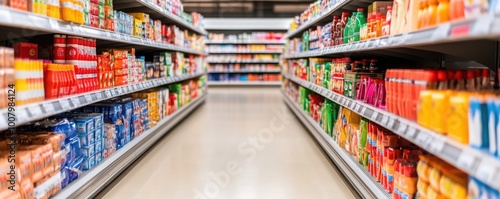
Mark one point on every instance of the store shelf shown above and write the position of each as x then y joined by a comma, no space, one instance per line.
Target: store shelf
246,61
326,16
474,162
245,42
244,83
19,21
90,182
246,71
33,112
245,52
155,12
359,177
483,27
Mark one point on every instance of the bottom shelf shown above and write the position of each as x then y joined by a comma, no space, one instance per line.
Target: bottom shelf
247,83
91,182
359,177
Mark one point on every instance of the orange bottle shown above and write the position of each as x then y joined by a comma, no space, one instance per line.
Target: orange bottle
432,12
443,11
457,9
51,82
425,14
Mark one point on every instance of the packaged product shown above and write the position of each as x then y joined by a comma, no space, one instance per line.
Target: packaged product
478,123
457,123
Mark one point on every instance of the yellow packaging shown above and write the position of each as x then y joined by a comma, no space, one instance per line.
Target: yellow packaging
457,120
440,110
422,187
141,16
54,9
433,194
434,177
68,10
138,31
424,108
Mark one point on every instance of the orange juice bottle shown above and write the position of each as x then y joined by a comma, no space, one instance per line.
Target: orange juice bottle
443,11
68,10
432,12
457,120
54,9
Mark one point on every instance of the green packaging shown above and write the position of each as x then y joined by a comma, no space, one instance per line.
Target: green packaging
327,75
362,137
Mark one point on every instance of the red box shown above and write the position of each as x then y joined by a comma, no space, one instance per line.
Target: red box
26,50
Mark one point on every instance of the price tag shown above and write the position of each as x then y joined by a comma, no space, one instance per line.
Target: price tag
390,124
54,24
437,144
441,32
356,108
64,104
377,43
48,107
486,171
98,95
390,39
411,132
374,115
466,160
422,139
363,110
75,101
6,16
130,89
35,110
402,128
108,93
22,115
384,120
88,98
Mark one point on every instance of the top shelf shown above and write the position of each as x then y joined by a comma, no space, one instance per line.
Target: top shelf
155,12
245,42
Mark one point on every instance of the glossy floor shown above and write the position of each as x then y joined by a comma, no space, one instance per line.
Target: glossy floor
242,143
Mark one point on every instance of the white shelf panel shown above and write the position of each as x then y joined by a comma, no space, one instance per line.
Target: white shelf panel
317,19
171,17
256,61
483,27
459,155
29,21
36,111
245,42
90,182
244,83
245,71
362,181
244,52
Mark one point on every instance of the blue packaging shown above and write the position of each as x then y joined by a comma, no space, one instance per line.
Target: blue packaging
75,149
478,123
75,169
64,177
98,146
88,163
98,134
97,117
88,151
87,139
98,157
493,106
477,190
84,125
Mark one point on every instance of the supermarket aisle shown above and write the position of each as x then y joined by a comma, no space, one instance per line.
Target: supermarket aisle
235,146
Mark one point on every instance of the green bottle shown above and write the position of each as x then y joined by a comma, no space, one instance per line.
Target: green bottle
360,21
347,30
352,26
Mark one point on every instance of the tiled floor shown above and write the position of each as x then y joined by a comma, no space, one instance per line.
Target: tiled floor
242,143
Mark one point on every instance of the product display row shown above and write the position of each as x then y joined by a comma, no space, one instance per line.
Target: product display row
53,152
402,168
254,36
242,58
243,77
245,48
71,65
243,67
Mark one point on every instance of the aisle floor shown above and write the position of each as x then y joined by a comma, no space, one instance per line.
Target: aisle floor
242,143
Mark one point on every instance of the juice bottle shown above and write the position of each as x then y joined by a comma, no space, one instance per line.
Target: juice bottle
73,89
360,21
334,30
340,26
51,82
457,9
379,20
347,27
443,11
432,12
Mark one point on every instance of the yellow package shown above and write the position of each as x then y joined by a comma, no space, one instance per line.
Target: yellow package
457,120
141,16
422,187
440,109
424,116
434,177
433,194
138,31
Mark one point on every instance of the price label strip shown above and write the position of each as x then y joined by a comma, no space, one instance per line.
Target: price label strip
88,98
35,111
75,101
64,104
48,107
466,161
22,115
98,95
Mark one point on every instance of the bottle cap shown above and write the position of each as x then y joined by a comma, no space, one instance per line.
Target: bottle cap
360,9
485,72
459,74
441,75
471,74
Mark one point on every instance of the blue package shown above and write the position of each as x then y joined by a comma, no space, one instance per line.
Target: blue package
75,149
75,169
98,134
477,190
493,106
98,157
88,163
84,124
63,126
88,151
478,123
98,145
87,139
64,177
66,149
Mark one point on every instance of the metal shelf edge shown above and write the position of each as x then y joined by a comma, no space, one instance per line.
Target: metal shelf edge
245,42
242,83
94,180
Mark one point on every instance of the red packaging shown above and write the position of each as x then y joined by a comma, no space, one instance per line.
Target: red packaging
94,9
59,49
390,156
73,49
26,50
94,21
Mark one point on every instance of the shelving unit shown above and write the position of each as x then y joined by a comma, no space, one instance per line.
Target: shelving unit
245,71
91,182
37,111
478,164
244,52
246,62
356,174
244,83
245,42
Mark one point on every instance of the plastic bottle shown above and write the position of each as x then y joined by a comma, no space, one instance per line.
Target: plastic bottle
347,27
72,79
360,21
432,12
443,11
485,79
457,9
340,26
335,32
51,82
460,80
471,80
442,78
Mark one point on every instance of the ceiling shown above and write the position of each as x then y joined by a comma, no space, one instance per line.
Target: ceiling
246,8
